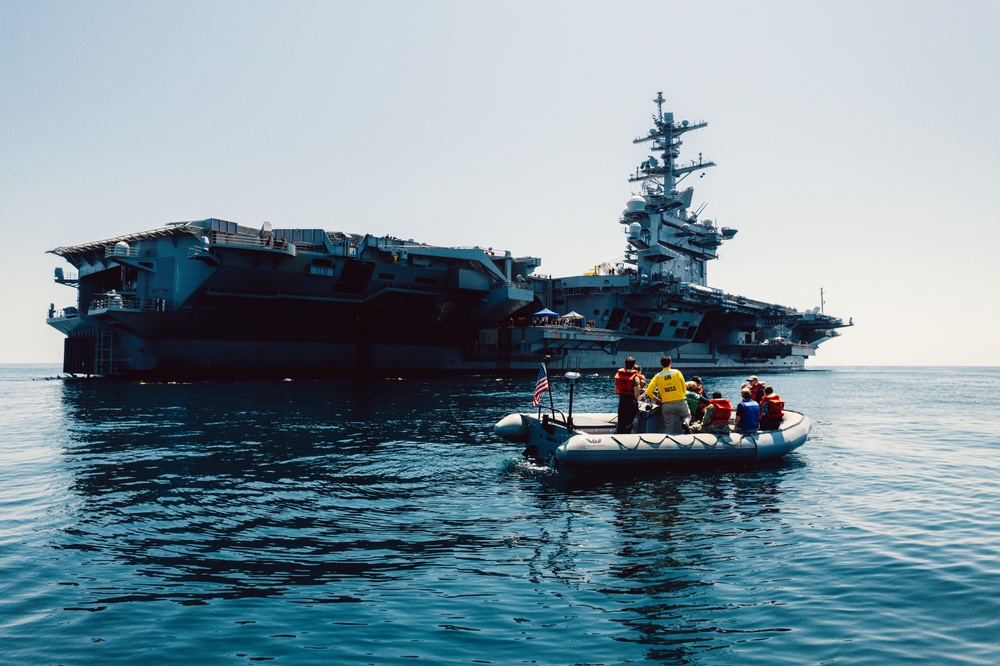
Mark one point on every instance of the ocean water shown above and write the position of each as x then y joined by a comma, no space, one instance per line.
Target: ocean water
382,522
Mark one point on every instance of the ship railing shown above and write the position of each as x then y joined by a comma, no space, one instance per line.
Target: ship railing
736,302
509,284
120,251
64,313
127,304
63,277
392,242
730,301
244,241
570,328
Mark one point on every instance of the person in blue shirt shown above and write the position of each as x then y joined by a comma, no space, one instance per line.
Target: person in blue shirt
747,413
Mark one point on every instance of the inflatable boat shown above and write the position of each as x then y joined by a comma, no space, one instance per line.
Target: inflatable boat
589,441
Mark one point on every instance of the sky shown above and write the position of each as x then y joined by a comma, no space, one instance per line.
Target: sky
857,142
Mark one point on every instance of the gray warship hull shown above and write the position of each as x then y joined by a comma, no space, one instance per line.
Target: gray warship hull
212,298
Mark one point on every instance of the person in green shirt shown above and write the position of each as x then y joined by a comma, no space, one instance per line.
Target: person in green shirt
696,401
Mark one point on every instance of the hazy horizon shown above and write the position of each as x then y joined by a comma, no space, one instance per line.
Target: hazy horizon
856,142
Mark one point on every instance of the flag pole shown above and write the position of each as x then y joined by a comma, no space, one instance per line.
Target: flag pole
552,405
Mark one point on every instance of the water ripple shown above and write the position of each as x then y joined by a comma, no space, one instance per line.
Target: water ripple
381,522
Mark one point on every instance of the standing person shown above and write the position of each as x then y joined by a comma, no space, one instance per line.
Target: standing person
772,409
627,390
716,418
668,386
642,377
747,413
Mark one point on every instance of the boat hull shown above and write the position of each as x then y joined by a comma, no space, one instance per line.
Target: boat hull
592,444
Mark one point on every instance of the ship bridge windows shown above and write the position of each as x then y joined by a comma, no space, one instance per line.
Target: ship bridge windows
655,329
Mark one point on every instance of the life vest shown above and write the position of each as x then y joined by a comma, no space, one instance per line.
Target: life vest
723,410
625,382
776,406
757,392
749,416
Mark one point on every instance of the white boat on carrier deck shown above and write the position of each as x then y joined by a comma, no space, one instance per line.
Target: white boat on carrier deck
589,442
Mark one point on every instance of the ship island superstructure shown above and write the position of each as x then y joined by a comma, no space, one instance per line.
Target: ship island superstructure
212,298
657,300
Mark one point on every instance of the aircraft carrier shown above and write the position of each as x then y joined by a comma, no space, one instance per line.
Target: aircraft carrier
213,298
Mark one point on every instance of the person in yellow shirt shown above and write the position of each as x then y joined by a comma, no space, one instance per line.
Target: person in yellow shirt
668,387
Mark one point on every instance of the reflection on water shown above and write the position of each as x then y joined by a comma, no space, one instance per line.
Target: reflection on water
328,493
208,485
381,521
677,538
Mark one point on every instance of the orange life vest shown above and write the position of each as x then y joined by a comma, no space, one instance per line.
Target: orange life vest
625,382
776,406
757,392
723,410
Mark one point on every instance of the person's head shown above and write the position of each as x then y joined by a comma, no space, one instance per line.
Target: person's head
716,395
745,393
629,362
697,380
665,361
752,379
691,386
768,390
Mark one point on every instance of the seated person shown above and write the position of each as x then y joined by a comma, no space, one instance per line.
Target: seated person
772,409
747,413
696,402
716,418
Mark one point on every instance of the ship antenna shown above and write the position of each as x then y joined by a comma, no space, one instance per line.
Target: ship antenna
659,105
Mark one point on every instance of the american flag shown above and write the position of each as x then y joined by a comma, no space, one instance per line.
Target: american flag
541,385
